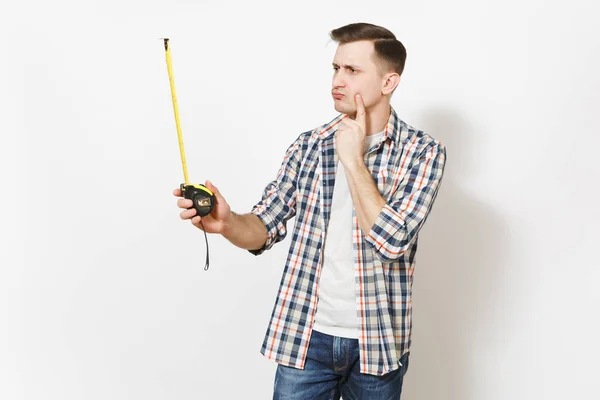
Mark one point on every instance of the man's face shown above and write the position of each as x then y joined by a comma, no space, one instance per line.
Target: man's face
355,72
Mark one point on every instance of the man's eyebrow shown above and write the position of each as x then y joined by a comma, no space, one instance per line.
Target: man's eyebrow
346,66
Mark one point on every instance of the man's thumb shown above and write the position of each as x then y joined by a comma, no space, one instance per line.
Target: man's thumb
212,187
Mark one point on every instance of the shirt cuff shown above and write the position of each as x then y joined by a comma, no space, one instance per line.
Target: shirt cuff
271,231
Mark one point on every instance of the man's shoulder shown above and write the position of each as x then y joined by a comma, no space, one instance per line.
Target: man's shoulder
319,132
412,136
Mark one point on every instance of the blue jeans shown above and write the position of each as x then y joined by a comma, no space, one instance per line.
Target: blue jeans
332,369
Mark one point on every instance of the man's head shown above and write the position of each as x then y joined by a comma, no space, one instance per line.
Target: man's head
369,60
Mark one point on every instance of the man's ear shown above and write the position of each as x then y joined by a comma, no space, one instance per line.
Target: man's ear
392,80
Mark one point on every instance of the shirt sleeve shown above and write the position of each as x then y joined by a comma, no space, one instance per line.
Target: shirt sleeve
278,202
404,214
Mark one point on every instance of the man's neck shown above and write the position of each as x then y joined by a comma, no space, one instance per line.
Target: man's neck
377,118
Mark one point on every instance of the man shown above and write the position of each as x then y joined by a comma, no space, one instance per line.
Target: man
361,187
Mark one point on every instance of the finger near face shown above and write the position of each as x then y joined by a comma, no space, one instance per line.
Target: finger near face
349,107
359,101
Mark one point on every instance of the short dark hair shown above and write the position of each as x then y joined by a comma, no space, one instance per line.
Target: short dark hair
387,48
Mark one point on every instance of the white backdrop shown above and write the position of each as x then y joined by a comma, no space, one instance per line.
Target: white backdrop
102,289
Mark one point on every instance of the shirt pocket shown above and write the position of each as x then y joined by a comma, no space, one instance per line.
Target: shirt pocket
308,177
308,185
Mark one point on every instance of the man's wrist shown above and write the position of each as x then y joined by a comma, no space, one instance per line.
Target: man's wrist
355,165
227,224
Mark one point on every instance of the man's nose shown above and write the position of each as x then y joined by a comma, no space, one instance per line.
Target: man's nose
338,81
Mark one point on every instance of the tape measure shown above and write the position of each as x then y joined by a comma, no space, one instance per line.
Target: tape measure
203,199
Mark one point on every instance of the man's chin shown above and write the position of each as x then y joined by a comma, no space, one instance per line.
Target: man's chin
341,109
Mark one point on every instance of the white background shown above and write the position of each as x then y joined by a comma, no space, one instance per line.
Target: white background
102,289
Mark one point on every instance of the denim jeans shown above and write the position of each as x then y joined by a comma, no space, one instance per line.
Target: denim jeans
332,369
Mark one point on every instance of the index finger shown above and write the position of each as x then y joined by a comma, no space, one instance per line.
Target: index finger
177,192
360,108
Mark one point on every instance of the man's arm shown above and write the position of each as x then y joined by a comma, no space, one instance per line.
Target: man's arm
391,226
246,231
365,196
265,225
278,202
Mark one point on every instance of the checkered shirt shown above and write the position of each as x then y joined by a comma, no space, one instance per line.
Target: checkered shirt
407,167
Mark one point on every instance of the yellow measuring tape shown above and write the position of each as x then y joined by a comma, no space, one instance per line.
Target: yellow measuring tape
202,198
176,110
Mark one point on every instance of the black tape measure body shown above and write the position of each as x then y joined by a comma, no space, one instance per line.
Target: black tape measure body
203,199
204,202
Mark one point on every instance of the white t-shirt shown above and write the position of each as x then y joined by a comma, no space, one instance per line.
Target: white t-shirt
336,308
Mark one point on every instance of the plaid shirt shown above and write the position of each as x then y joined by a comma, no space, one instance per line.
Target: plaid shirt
407,166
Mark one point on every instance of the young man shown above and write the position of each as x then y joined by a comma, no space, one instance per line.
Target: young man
361,188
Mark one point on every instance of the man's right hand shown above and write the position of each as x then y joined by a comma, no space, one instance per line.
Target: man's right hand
216,221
